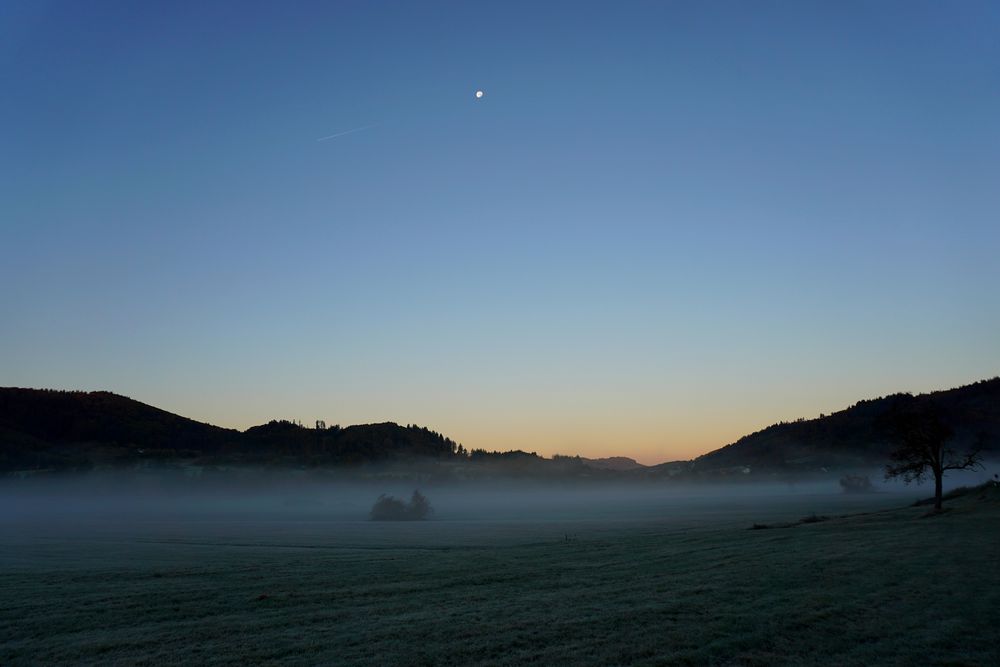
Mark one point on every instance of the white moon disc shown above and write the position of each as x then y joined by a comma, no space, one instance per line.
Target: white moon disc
479,94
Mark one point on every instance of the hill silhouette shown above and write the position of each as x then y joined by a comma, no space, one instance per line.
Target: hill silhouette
853,437
48,429
43,429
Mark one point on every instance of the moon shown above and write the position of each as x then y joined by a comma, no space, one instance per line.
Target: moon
479,94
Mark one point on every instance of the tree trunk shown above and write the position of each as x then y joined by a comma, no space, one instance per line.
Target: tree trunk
938,475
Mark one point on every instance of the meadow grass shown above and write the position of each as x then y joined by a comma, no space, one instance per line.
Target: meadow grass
887,587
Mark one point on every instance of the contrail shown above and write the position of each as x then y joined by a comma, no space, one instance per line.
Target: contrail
340,134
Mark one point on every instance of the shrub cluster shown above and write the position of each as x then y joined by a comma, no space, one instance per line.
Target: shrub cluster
388,508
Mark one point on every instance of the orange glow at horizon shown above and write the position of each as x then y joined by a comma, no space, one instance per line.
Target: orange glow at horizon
646,425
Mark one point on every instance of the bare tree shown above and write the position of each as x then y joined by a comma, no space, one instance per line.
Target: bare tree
922,436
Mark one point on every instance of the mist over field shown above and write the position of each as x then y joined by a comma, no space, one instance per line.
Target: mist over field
280,568
292,496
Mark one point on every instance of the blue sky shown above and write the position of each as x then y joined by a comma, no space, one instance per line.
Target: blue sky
665,224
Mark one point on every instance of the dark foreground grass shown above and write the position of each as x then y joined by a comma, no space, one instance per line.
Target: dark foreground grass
887,588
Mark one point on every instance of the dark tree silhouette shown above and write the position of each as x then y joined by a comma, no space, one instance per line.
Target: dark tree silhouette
419,507
388,508
922,435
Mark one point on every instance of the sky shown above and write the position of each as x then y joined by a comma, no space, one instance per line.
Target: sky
665,225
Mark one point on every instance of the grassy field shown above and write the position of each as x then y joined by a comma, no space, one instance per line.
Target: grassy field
688,583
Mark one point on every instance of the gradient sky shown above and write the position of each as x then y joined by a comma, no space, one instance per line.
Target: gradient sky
665,225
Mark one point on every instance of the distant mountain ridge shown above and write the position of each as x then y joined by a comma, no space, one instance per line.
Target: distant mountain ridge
619,463
42,429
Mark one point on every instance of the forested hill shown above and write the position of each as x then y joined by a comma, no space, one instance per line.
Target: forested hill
853,437
73,429
47,429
